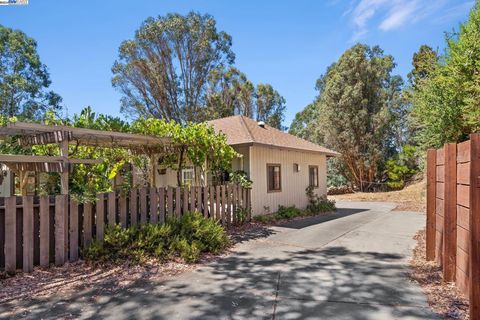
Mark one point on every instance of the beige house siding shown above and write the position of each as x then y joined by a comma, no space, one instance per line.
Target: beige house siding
293,183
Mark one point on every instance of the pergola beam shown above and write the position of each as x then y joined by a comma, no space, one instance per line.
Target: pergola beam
5,158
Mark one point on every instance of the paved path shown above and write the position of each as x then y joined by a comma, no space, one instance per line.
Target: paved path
349,265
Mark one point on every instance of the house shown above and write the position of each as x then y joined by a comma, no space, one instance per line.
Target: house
280,165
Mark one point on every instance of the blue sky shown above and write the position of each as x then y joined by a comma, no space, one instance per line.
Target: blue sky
287,43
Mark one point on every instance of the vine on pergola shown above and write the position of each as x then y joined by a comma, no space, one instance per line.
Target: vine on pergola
198,143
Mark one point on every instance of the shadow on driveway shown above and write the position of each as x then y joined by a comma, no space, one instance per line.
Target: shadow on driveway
330,283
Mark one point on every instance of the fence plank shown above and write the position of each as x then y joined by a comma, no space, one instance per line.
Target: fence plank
27,234
170,201
218,195
87,223
111,207
10,234
133,207
192,199
185,192
205,201
223,205
212,202
161,195
450,213
73,216
44,231
199,199
60,218
228,215
474,261
234,203
249,204
122,208
178,202
153,205
431,191
143,205
100,216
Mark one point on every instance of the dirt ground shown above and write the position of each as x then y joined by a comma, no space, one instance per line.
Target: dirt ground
444,298
412,198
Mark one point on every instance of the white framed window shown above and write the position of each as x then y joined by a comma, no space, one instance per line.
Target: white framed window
187,176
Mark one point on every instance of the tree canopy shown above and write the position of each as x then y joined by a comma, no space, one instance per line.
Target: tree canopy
446,95
354,113
24,80
163,72
231,93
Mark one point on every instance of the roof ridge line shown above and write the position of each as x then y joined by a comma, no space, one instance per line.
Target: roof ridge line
244,124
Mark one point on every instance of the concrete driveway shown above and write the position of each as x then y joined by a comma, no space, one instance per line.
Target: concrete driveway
348,265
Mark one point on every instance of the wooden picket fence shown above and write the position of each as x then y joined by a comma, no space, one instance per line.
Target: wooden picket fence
453,215
53,229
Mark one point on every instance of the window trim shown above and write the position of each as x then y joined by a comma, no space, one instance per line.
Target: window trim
188,169
316,177
280,177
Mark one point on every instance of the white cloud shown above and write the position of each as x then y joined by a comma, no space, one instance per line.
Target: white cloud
388,15
399,15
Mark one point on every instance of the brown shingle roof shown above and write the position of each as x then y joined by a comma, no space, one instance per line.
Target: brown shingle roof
242,130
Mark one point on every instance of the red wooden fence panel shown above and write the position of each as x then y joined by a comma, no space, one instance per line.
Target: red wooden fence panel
453,215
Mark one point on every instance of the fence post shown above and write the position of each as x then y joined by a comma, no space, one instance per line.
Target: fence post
450,213
431,191
474,261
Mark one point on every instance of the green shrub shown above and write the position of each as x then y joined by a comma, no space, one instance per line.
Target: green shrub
187,237
401,168
287,212
318,204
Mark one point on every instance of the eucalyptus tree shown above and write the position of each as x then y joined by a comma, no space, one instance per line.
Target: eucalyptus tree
24,79
163,72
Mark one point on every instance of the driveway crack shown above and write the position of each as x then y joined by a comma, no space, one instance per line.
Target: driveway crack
277,289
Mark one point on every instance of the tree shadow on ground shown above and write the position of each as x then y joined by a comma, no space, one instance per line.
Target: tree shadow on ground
329,283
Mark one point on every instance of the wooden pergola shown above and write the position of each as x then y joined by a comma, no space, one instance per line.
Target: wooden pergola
30,134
